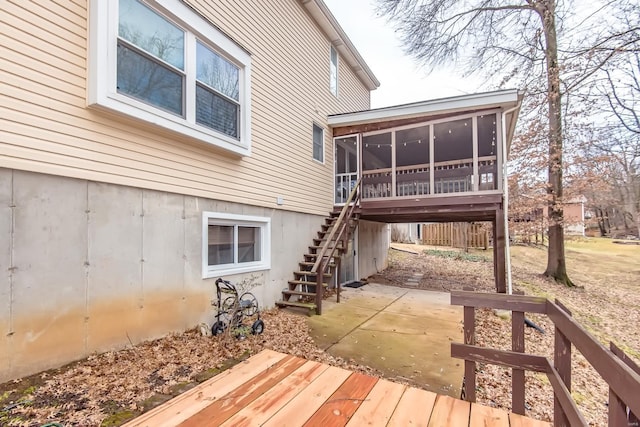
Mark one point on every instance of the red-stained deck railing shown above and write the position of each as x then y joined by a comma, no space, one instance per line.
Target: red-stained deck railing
616,368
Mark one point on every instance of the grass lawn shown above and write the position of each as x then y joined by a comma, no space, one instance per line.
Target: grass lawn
607,300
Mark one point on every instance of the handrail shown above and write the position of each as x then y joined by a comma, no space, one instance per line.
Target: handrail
622,375
338,221
341,223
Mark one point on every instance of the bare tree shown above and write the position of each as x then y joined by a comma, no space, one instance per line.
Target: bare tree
519,40
622,91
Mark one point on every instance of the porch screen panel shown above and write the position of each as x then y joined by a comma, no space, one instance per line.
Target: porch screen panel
412,161
453,156
376,166
346,167
487,152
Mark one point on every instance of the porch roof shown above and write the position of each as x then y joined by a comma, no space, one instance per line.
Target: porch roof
508,101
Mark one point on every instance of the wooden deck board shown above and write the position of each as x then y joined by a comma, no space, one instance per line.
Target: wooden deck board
450,412
414,408
484,416
278,390
264,407
379,405
307,402
344,402
516,420
191,402
227,406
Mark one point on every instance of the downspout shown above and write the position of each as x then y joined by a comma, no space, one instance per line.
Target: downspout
505,188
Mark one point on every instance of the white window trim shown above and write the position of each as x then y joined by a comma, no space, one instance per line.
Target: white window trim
331,50
102,93
217,218
324,135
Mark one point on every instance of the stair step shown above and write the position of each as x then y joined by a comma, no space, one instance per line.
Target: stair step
306,283
316,247
321,241
311,263
310,273
308,305
298,293
314,256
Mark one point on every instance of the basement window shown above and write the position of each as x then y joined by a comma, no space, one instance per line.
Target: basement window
235,244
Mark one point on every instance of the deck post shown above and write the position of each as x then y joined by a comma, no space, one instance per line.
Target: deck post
319,286
499,251
562,364
470,339
338,263
517,375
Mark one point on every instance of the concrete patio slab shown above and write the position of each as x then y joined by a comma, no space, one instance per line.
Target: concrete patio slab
405,333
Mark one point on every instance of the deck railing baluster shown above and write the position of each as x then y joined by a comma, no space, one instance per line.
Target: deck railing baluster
562,364
517,375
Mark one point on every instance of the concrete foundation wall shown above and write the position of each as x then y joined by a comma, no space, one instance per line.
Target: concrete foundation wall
87,266
373,243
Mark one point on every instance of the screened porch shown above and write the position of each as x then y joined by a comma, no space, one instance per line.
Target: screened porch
448,157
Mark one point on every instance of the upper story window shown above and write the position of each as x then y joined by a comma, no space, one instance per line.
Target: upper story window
318,143
333,76
159,61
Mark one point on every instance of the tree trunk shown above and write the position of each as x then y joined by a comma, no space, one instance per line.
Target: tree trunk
556,265
600,218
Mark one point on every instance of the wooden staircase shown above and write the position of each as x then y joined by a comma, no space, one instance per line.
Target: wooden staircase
320,267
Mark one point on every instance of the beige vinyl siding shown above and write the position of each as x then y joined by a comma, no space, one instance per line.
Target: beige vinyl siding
45,125
350,88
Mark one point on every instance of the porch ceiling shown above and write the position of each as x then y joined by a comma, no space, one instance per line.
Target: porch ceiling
432,209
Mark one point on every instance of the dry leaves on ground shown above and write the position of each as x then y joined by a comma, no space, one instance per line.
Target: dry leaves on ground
121,384
117,385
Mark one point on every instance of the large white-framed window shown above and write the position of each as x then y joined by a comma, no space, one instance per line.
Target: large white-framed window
318,143
333,71
161,62
234,244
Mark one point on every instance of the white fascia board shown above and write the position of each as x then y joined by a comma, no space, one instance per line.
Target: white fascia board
499,99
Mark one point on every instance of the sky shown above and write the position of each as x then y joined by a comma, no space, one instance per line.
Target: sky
402,80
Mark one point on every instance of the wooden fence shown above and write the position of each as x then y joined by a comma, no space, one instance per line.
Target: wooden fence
456,234
621,373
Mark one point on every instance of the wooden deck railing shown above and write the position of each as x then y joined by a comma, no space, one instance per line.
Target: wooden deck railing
339,233
621,374
435,179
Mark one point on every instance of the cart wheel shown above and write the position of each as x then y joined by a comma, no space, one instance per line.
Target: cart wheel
217,328
248,304
258,327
